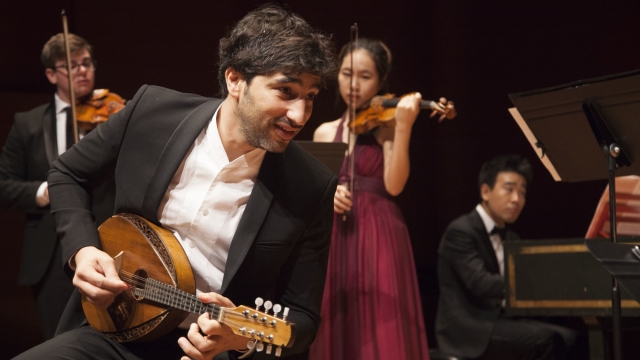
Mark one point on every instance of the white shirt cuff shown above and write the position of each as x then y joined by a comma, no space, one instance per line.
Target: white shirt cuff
41,201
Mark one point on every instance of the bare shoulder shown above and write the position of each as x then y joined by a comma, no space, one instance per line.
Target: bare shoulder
326,132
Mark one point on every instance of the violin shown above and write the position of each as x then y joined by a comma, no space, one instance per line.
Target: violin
382,112
94,109
97,108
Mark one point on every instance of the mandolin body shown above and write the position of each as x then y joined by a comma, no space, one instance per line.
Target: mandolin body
147,251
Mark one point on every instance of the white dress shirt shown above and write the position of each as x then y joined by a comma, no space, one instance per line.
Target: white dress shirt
204,203
61,124
496,241
61,141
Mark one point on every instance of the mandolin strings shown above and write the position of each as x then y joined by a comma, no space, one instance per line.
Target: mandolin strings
160,292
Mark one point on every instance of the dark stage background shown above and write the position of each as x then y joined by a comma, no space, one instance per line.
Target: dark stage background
474,53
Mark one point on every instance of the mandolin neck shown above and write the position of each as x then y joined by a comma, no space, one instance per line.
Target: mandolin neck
176,298
424,104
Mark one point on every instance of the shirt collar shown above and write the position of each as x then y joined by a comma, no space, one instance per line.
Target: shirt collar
489,224
252,159
60,104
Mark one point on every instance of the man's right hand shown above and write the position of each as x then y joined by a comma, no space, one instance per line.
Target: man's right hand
96,277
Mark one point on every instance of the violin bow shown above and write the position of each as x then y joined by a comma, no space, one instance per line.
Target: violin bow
72,95
353,39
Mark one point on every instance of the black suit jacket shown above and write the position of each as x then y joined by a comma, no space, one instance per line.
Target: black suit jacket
471,288
280,248
26,157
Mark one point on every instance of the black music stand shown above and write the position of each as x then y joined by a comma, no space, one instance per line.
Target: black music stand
330,154
561,122
620,261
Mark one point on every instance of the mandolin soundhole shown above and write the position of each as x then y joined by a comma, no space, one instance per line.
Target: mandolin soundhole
140,277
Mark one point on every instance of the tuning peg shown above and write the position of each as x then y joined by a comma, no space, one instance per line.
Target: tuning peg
251,344
285,313
276,309
267,306
269,347
259,346
259,303
278,351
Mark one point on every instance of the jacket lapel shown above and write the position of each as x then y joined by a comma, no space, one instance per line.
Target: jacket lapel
478,225
254,215
49,129
172,155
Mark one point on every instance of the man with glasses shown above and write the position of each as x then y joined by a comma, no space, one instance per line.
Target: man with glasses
36,139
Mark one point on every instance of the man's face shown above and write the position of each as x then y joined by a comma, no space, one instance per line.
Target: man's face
507,198
273,108
83,75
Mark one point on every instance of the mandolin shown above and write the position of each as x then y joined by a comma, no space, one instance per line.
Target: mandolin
161,291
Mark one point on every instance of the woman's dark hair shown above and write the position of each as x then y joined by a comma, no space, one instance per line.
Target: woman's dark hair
504,163
271,39
380,54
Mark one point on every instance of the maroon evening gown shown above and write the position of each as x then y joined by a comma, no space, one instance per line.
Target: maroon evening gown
371,306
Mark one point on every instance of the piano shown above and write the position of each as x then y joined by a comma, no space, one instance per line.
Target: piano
560,277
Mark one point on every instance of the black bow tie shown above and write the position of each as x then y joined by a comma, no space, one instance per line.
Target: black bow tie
500,231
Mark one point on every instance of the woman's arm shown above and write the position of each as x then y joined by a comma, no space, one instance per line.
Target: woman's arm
395,144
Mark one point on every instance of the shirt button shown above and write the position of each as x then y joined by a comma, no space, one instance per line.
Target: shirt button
205,212
192,244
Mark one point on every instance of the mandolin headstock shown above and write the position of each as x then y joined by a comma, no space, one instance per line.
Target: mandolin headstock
266,330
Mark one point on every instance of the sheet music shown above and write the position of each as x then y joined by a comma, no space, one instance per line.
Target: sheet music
627,209
532,140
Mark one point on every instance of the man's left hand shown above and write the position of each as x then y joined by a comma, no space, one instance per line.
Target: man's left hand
217,337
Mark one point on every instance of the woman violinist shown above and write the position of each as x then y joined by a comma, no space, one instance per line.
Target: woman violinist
371,306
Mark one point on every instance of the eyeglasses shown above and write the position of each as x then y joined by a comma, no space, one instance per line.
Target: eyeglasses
88,64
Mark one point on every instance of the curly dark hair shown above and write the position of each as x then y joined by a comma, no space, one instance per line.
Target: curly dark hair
271,39
504,163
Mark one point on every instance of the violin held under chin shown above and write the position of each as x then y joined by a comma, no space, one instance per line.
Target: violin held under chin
97,107
382,112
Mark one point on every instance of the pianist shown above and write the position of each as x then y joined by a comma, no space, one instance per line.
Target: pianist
470,321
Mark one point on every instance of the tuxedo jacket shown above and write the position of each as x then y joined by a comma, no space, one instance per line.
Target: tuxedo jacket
471,287
280,249
26,157
30,149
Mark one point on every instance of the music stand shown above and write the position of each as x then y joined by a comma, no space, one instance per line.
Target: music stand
620,261
561,122
329,153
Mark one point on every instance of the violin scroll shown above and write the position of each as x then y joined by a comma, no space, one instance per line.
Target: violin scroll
445,109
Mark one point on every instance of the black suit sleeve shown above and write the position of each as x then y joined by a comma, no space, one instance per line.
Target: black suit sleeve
459,248
15,190
303,287
77,171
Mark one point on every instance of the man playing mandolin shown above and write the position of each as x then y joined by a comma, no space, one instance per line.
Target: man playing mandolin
252,212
